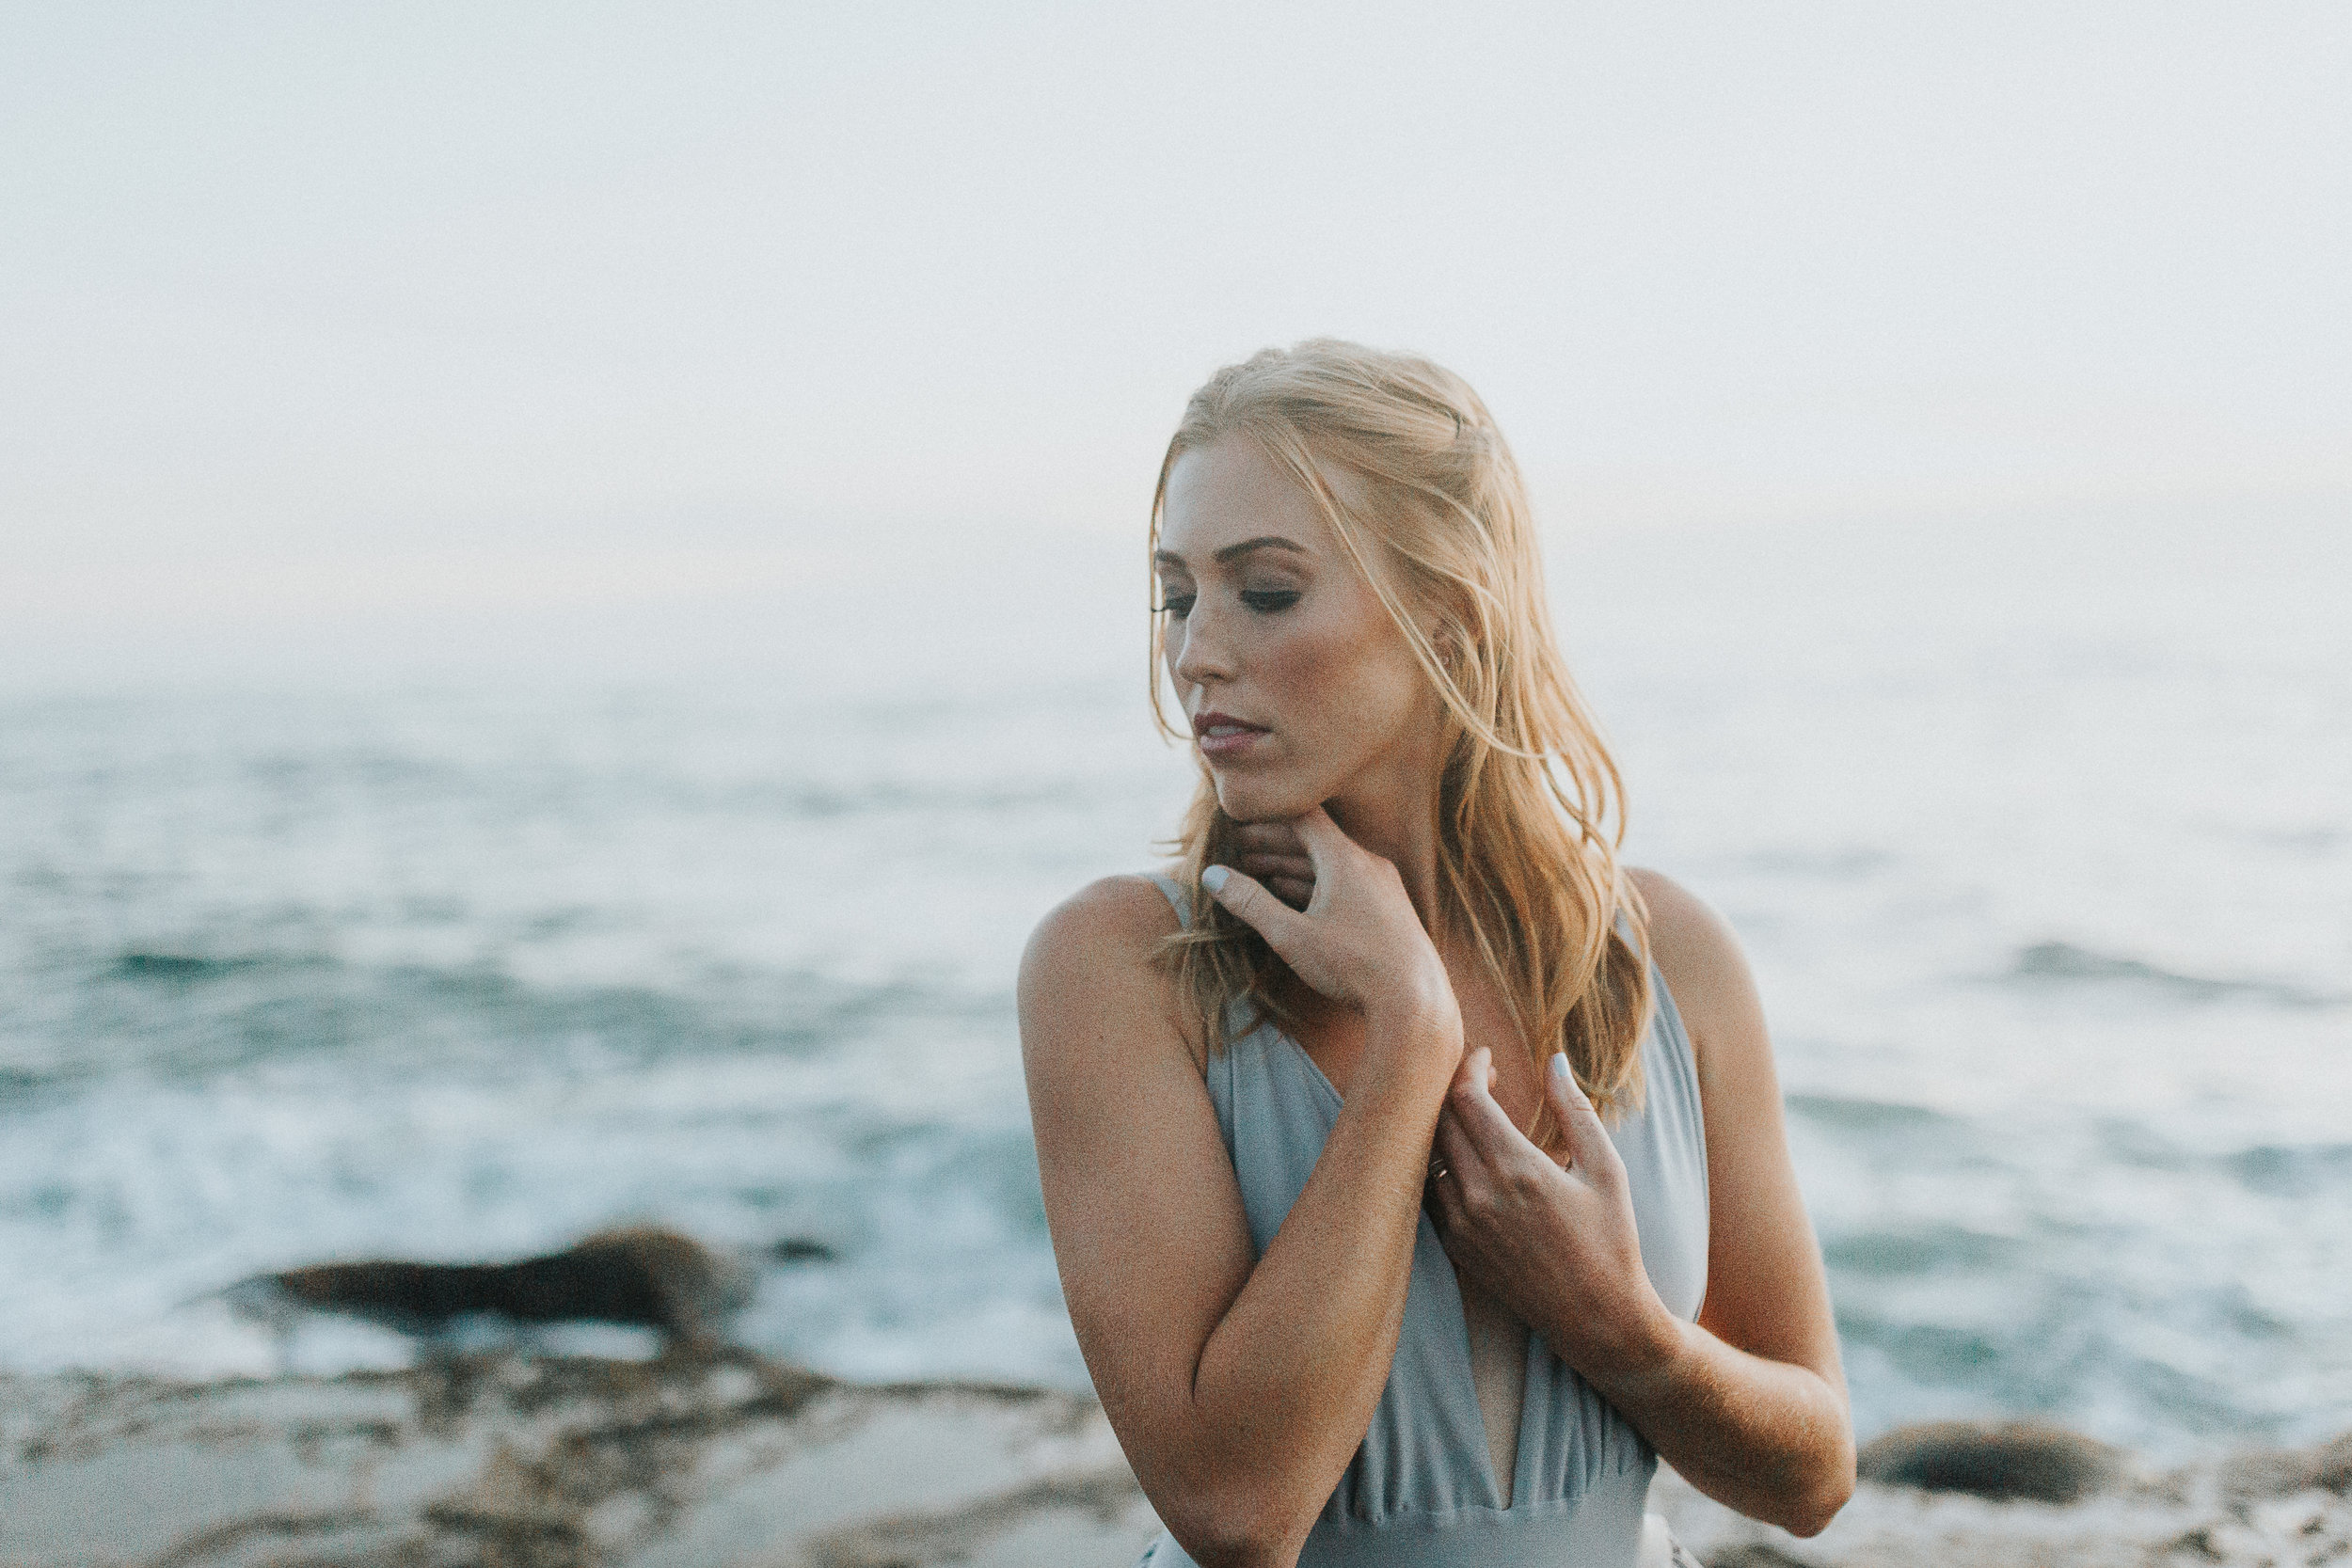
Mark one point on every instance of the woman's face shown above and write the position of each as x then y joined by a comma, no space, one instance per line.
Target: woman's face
1299,688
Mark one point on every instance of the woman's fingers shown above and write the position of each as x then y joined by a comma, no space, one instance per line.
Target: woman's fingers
1269,838
1320,837
1356,939
1478,1066
1589,1148
1273,853
1453,1151
1453,1142
1453,1164
1259,864
1471,1104
1282,873
1248,901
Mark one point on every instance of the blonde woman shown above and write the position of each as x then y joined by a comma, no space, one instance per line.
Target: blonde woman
1416,1172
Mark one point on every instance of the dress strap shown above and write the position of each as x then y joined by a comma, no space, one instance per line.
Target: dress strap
1173,891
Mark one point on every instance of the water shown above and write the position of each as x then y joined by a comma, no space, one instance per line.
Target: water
2039,839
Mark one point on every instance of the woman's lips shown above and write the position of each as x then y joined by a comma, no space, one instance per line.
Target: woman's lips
1222,736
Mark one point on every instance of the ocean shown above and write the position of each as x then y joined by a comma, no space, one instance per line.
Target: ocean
2038,833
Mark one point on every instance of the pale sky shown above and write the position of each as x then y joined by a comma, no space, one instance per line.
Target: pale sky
327,330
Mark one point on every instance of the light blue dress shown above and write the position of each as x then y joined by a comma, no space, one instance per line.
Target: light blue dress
1421,1490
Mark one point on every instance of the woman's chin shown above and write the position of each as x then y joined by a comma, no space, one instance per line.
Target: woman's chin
1247,799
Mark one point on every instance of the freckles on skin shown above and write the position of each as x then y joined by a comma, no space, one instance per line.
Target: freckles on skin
1330,675
1338,684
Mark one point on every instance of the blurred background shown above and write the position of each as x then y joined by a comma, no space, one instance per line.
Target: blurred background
571,584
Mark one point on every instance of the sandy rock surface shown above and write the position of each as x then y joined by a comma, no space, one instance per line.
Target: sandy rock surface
726,1459
2271,1510
548,1463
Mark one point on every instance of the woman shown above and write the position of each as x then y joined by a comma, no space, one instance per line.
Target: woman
1414,1195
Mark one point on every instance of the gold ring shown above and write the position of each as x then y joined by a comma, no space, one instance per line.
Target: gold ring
1438,1170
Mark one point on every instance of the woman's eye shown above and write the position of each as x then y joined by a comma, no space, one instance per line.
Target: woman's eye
1178,605
1266,601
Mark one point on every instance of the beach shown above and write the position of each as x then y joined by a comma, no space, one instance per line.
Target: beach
2040,857
578,581
470,973
703,1461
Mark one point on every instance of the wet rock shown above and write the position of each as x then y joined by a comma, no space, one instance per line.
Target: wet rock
2012,1462
638,1276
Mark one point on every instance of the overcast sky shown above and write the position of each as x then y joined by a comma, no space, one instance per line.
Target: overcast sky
349,317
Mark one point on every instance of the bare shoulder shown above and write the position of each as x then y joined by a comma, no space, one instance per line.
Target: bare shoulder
1700,958
1092,954
1120,919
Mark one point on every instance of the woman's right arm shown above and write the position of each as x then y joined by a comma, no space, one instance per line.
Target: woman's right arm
1240,1388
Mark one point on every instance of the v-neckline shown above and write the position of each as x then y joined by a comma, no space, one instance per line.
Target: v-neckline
1461,1314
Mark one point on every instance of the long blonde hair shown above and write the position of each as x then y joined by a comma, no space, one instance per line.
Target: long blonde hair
1531,807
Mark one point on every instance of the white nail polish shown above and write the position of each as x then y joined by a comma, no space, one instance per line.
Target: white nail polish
1213,877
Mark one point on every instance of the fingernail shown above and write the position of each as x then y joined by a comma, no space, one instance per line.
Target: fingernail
1560,1069
1214,878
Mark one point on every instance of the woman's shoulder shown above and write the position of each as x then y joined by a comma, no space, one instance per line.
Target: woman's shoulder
1102,935
1699,958
1123,916
1094,958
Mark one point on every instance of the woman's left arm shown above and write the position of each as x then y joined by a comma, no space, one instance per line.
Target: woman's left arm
1749,1403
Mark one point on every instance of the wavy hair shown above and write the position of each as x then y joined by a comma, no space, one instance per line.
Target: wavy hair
1530,806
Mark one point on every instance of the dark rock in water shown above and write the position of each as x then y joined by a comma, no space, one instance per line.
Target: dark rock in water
2014,1462
639,1276
800,1249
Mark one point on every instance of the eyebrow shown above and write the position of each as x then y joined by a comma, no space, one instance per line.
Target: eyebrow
1234,552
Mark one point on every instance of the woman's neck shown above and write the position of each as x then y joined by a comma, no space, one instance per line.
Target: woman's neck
1396,818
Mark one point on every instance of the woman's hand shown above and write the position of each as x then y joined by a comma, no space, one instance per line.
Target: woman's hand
1359,941
1274,854
1555,1244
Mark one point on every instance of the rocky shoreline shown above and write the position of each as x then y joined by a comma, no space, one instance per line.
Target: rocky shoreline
550,1463
721,1457
2258,1509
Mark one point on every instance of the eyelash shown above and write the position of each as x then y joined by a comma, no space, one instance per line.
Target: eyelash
1266,601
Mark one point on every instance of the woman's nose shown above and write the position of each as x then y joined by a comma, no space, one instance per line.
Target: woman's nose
1201,653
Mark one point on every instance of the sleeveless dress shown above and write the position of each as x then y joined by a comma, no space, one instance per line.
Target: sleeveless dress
1421,1490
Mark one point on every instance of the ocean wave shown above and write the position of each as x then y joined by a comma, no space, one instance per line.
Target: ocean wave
2267,1170
2071,1344
1853,1115
2048,963
1920,1250
272,796
187,968
1928,1352
2278,1170
186,1014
